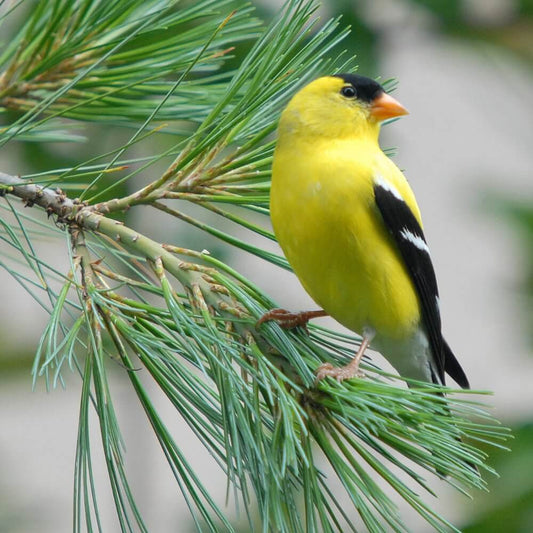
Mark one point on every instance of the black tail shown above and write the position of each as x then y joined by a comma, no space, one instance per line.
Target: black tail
453,368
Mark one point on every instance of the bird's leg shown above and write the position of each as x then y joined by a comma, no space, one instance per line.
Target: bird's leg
351,370
288,320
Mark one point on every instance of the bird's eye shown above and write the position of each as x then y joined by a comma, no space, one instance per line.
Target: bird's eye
349,91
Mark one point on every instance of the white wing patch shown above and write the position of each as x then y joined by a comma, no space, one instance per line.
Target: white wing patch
417,240
389,187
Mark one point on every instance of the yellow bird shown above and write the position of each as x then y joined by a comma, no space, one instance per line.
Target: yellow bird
349,225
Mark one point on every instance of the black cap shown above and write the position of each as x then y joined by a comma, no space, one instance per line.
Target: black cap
366,88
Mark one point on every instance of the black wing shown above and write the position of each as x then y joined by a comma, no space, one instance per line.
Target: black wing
409,238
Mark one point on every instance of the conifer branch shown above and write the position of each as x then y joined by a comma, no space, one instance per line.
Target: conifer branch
181,317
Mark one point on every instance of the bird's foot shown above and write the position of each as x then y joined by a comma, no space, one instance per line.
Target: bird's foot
288,320
340,373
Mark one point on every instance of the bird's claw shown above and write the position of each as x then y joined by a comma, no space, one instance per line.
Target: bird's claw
340,373
285,319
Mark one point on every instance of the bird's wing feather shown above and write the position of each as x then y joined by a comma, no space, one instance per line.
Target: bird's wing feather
408,236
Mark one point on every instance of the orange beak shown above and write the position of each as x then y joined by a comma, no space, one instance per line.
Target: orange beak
385,106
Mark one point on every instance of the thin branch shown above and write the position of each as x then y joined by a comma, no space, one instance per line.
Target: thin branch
53,201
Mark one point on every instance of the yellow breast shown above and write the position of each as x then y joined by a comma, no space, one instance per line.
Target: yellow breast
325,219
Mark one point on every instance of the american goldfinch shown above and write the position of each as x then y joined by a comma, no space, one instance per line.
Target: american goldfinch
349,225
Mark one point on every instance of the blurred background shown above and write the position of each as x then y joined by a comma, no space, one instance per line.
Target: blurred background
465,74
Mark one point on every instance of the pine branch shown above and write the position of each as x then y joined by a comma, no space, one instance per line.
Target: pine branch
356,415
184,317
54,202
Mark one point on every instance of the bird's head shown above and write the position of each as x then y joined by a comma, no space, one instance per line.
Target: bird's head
339,106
